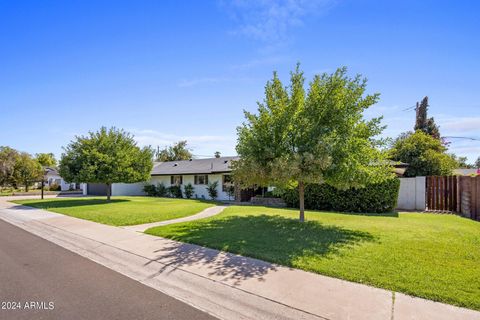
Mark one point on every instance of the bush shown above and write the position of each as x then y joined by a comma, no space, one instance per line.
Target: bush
161,190
54,187
155,191
212,190
150,190
175,191
188,190
377,198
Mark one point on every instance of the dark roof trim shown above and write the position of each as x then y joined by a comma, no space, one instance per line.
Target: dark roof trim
188,174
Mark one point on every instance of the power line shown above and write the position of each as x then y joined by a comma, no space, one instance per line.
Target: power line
409,108
465,138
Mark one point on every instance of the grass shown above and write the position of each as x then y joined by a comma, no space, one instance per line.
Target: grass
11,192
431,256
121,211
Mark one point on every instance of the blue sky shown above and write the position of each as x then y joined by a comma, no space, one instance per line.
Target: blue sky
171,70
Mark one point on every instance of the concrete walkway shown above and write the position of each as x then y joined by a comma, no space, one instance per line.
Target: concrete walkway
225,285
209,212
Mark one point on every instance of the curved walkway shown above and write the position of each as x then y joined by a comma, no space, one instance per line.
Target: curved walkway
209,212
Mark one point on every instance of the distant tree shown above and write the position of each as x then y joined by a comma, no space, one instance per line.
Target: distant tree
212,190
27,170
423,123
8,158
477,163
317,136
106,156
217,154
46,159
177,151
462,162
424,154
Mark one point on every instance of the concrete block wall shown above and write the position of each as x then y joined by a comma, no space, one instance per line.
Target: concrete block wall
411,195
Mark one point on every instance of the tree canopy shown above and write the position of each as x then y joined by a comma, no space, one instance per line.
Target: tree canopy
8,158
27,170
46,159
106,156
177,151
424,154
317,136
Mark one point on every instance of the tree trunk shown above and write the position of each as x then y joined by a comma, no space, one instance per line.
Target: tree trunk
26,186
301,197
109,191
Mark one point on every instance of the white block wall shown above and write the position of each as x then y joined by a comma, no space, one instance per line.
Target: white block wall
128,189
411,195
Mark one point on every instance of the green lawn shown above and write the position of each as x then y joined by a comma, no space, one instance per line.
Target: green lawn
426,255
121,211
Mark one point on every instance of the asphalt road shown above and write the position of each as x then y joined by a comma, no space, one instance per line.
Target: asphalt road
37,275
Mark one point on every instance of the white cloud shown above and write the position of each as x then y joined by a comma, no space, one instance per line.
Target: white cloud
459,125
270,20
202,145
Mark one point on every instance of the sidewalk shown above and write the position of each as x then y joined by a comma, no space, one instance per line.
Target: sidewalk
225,285
209,212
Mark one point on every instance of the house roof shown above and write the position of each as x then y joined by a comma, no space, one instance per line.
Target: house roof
49,171
193,166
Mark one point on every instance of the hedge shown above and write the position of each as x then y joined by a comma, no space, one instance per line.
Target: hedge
376,198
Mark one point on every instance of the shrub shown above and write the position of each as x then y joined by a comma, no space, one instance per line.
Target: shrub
212,190
150,190
161,190
230,192
54,187
175,191
188,190
377,198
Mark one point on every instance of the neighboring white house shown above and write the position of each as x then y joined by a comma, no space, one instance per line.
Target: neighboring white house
198,172
52,177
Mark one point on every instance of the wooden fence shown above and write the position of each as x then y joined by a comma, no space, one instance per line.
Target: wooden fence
459,194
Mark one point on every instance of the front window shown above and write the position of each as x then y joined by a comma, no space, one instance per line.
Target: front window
201,179
176,180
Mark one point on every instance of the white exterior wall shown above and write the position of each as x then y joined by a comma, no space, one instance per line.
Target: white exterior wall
411,195
128,189
64,186
200,191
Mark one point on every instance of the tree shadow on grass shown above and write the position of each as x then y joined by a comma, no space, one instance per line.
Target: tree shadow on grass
271,238
71,203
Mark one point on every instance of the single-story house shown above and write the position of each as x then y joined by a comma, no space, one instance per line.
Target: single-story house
52,177
198,172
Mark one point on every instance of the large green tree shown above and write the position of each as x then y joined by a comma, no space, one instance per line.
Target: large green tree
46,159
27,170
425,155
106,156
8,158
177,151
477,163
318,136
